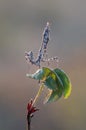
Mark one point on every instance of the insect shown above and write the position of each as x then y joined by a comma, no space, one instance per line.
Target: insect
56,80
42,53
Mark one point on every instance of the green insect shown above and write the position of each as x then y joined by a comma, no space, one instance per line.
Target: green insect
55,80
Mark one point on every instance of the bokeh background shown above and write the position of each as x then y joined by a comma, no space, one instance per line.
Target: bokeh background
21,26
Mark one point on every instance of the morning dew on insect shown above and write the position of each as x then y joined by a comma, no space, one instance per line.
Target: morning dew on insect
56,80
42,53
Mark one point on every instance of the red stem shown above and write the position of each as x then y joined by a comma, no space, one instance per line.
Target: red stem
28,121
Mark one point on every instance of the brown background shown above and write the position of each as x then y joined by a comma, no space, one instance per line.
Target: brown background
21,27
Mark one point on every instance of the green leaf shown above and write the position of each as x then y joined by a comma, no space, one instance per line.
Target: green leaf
65,80
53,95
55,80
52,81
40,74
48,76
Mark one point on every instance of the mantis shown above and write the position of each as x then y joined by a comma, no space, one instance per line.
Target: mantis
42,53
56,80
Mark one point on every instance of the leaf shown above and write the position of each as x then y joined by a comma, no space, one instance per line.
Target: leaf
40,74
50,83
65,80
55,80
48,77
53,95
52,74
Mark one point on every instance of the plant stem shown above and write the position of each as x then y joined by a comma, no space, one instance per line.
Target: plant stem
28,121
29,116
38,94
28,127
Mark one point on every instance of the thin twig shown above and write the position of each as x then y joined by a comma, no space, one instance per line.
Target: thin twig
31,109
38,94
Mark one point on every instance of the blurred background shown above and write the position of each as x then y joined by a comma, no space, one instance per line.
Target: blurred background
21,27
